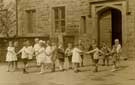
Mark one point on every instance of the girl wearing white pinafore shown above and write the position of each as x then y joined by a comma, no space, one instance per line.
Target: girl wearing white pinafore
76,58
11,56
41,57
48,54
36,47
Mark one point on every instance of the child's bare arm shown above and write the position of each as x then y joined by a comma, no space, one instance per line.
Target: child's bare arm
89,52
101,51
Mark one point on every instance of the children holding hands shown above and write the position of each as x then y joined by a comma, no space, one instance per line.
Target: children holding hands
96,55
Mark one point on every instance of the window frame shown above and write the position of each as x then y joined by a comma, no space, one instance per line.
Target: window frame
60,28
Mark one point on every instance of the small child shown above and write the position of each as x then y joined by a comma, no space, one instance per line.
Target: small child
11,56
54,55
24,55
41,56
48,55
61,56
31,52
36,47
96,54
106,55
16,45
116,52
68,54
76,57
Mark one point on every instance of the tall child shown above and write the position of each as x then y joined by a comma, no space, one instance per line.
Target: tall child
48,55
116,52
81,47
96,55
106,55
93,43
61,56
31,52
24,55
41,56
54,55
68,54
16,45
11,56
36,47
76,57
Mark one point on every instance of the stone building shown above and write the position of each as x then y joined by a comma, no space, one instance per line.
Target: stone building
70,20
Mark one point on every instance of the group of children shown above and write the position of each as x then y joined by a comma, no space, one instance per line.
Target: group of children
46,54
76,55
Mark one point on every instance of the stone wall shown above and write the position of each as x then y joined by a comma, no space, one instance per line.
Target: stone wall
74,10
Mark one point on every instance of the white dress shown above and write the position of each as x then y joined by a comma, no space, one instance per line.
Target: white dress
36,48
48,54
11,55
76,58
41,55
25,52
31,52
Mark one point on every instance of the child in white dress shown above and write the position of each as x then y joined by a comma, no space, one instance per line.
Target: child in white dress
41,56
36,47
31,53
76,57
48,55
11,56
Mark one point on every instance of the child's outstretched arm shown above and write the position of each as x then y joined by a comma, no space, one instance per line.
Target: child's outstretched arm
89,52
101,52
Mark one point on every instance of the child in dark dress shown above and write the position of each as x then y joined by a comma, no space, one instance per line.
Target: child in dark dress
61,57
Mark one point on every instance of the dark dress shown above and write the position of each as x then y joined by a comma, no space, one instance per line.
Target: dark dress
60,54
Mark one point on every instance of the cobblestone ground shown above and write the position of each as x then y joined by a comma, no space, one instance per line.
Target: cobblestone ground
124,76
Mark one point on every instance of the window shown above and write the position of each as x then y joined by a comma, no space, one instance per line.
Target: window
83,18
59,19
30,20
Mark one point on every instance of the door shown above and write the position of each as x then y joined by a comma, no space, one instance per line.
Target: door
110,26
105,27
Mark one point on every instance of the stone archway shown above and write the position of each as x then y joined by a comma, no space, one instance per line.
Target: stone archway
109,25
99,7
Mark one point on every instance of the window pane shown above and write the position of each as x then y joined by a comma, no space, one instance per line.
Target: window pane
56,26
62,9
56,13
59,19
63,28
63,23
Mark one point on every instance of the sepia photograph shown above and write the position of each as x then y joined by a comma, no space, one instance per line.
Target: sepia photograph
67,42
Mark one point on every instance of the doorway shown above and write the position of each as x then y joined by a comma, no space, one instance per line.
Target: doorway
109,26
116,25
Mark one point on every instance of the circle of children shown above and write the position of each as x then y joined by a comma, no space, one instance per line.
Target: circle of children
46,54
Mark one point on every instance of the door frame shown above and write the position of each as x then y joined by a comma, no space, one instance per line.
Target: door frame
111,31
101,6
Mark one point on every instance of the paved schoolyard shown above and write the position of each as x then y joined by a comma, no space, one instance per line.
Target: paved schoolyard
125,76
